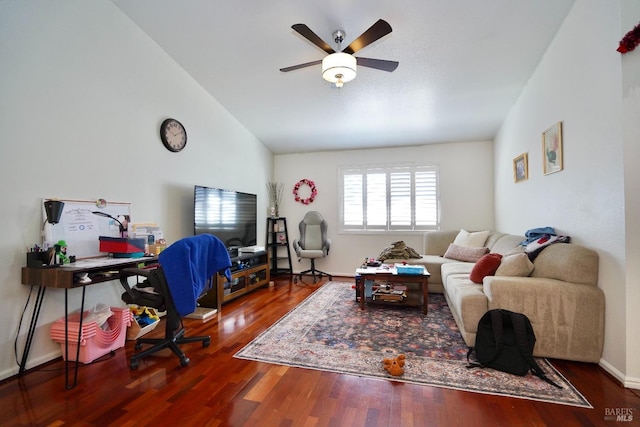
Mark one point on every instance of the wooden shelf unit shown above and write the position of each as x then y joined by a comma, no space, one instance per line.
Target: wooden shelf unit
277,240
250,271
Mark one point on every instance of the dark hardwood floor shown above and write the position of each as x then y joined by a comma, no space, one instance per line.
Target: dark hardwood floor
219,390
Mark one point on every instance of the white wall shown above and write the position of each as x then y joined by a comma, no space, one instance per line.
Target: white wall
466,187
630,12
84,91
579,83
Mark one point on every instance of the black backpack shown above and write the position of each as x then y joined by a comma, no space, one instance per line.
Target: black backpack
504,341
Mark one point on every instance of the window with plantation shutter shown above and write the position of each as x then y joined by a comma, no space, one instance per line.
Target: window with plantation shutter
389,198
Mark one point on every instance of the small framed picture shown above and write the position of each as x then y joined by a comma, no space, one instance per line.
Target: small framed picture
521,168
552,149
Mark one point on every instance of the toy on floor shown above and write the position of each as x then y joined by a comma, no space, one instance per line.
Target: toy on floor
395,366
143,316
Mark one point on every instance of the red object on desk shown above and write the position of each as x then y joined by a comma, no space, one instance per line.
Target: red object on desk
121,245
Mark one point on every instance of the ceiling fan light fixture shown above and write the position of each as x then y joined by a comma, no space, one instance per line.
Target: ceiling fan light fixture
339,68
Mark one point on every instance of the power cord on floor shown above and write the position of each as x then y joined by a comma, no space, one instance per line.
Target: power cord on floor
15,343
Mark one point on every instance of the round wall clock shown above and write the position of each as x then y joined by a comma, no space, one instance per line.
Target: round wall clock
173,135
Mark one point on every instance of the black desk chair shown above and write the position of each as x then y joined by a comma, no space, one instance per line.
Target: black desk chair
187,268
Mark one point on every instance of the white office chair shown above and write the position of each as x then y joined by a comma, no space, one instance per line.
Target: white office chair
313,243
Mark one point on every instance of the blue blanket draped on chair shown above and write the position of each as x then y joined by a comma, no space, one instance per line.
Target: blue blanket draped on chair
188,264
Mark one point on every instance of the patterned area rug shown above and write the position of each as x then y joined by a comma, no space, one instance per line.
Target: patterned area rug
330,326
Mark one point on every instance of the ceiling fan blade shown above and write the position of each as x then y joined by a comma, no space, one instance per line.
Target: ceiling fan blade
378,30
297,67
378,64
306,32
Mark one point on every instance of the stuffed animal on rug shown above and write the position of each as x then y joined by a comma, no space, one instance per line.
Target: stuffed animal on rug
398,250
395,366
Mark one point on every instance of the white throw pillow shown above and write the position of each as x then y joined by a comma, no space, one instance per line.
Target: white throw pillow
515,265
471,240
465,253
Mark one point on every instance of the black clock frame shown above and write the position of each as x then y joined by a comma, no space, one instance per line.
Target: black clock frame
163,137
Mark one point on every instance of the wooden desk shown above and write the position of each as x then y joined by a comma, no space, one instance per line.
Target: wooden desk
68,277
391,275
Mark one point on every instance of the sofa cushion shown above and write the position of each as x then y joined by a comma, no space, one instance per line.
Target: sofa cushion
464,253
486,266
455,267
437,242
473,240
515,265
467,300
567,262
504,243
517,250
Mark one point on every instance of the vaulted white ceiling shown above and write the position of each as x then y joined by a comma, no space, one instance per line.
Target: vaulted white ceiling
463,63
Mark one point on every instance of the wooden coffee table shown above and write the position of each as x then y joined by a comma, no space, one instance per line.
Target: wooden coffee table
390,274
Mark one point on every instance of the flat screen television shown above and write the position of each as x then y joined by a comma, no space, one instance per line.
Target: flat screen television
229,215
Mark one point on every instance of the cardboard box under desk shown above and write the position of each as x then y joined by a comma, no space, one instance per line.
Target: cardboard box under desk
135,331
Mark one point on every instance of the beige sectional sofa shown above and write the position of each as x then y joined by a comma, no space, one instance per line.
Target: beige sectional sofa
560,295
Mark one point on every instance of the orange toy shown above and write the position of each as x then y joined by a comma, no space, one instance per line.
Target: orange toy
394,366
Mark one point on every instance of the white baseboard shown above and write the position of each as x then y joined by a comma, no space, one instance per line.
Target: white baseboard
632,382
31,363
627,382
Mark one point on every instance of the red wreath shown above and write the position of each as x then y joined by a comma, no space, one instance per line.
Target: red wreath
630,41
311,185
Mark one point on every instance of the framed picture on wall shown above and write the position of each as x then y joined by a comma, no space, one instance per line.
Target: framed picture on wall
552,149
521,168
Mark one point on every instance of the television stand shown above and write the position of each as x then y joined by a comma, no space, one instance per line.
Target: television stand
249,271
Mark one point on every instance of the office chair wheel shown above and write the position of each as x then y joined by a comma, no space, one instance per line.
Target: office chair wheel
295,279
138,346
184,361
330,278
134,365
205,343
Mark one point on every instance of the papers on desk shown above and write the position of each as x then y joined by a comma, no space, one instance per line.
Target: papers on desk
375,270
102,262
383,269
394,269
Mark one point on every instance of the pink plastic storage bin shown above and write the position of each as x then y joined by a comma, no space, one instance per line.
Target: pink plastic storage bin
94,341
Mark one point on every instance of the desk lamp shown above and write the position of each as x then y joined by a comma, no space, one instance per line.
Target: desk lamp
53,208
106,215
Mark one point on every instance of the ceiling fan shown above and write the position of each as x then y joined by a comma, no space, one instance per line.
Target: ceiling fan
340,67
